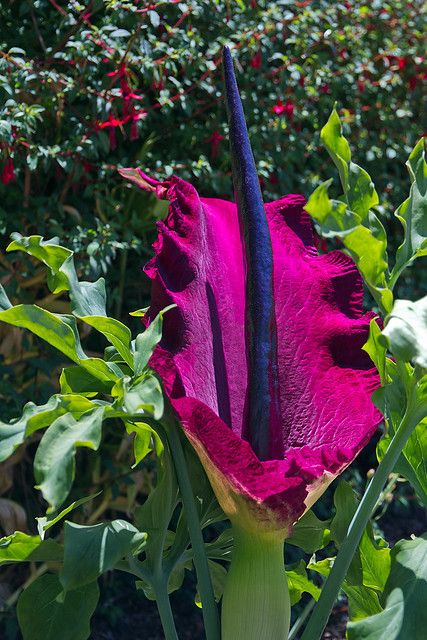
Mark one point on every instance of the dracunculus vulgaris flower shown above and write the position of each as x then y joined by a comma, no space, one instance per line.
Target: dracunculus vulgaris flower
263,364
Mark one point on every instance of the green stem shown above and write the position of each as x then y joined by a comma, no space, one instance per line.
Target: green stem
255,603
165,611
314,629
209,610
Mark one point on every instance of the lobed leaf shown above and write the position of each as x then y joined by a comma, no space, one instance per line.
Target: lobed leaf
54,462
412,214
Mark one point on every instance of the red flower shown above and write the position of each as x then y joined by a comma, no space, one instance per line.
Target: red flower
256,61
361,86
286,108
402,62
8,173
325,88
214,140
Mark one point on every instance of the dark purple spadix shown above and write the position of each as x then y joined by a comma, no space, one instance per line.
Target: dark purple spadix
263,405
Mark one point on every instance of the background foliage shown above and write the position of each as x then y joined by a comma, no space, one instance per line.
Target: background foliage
86,88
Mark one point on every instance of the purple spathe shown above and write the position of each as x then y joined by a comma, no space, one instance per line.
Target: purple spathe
325,378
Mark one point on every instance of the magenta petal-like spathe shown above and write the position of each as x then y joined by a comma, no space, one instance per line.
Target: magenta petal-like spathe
325,378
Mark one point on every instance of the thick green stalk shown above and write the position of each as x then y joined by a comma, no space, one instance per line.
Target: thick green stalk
209,610
255,603
314,629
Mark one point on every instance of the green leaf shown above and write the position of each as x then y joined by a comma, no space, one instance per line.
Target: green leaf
155,514
299,583
58,330
116,333
143,396
310,533
44,613
376,349
413,214
404,598
146,342
368,248
44,523
337,146
54,462
143,441
361,194
362,602
78,379
87,298
38,417
90,551
333,216
20,547
405,332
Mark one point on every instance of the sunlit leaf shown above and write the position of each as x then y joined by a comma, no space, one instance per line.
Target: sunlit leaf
21,547
413,214
405,332
299,583
54,462
337,146
35,417
146,342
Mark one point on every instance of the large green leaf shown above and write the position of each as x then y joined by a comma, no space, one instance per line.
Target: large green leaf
406,331
21,547
45,613
54,462
413,213
90,551
38,417
404,598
